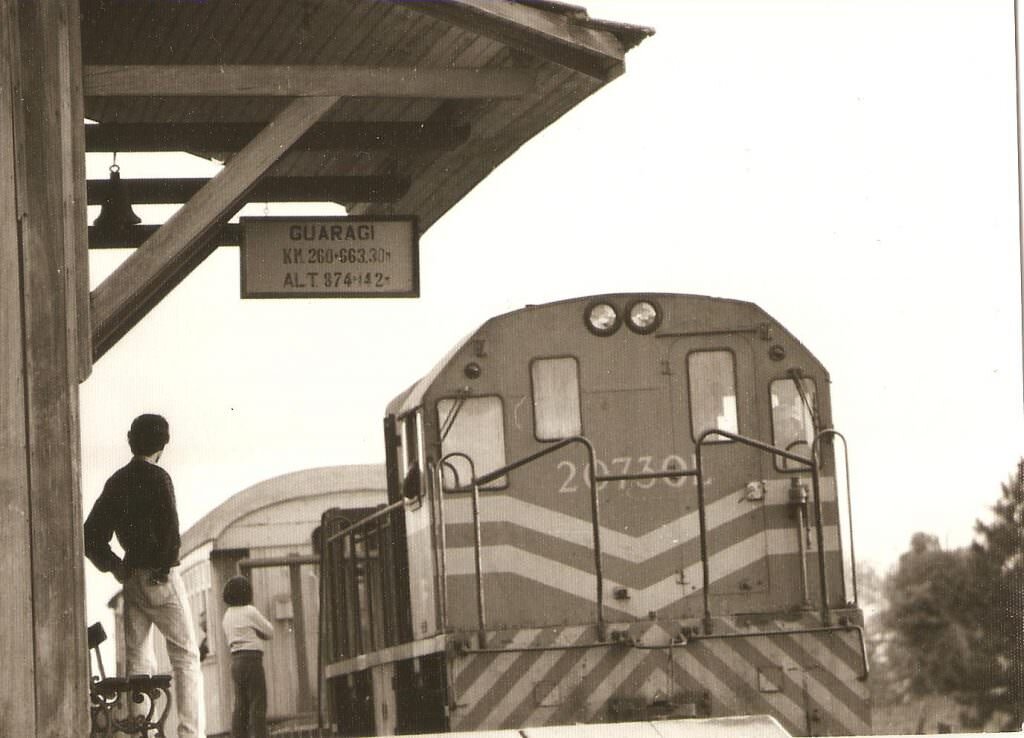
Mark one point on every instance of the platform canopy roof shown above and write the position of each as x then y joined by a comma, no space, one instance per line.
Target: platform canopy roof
388,107
434,94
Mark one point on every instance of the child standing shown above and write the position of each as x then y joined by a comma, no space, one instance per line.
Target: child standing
245,629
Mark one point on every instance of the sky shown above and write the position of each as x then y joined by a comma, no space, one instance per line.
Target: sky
849,166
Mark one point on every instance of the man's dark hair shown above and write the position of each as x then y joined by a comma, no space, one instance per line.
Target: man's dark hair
149,433
237,592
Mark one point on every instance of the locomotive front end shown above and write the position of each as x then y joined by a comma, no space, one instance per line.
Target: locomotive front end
625,507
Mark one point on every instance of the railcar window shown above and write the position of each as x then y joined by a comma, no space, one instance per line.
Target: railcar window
556,398
712,392
476,430
792,417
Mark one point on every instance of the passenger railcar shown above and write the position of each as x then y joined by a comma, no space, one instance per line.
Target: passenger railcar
266,532
611,508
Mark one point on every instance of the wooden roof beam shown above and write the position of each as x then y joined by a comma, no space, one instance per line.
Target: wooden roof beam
189,236
304,81
269,189
230,137
552,36
229,234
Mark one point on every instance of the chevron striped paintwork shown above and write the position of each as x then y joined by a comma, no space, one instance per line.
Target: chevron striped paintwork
531,549
809,681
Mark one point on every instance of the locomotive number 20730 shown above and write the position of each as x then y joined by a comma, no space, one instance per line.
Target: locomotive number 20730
623,465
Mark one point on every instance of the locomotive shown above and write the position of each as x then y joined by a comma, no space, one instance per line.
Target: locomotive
605,509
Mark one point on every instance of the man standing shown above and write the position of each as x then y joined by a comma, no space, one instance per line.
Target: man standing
137,505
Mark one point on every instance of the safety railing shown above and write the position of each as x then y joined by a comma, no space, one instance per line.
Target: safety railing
808,463
811,464
593,479
445,462
440,549
356,573
356,579
831,433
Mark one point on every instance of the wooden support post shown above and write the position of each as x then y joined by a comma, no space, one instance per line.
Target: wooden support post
42,609
17,704
188,237
76,221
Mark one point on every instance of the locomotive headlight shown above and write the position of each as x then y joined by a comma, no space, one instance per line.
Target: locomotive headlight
602,318
643,316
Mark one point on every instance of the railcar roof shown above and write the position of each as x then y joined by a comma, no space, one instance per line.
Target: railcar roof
294,485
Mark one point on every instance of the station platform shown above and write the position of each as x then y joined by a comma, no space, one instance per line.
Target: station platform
753,726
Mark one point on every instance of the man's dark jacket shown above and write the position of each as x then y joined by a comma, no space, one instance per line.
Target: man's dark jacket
137,505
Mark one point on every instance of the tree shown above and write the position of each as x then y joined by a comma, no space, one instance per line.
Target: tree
933,614
999,551
954,618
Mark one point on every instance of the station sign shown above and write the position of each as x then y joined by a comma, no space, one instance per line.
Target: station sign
344,256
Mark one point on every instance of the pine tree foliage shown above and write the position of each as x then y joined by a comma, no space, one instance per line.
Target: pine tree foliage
999,551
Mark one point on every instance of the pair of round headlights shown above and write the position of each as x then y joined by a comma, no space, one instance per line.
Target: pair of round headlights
603,319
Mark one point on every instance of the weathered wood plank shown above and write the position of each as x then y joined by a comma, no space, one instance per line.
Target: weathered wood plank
304,81
185,240
76,217
548,35
230,137
48,362
66,16
17,699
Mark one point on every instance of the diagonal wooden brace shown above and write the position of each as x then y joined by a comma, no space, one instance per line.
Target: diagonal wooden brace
187,238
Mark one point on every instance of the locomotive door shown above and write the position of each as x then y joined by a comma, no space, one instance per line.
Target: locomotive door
422,564
714,386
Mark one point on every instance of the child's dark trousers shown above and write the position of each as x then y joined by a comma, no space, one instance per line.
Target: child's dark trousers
249,719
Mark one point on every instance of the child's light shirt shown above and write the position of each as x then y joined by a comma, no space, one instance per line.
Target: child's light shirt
245,628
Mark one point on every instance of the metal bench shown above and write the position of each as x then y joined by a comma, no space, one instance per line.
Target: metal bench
110,714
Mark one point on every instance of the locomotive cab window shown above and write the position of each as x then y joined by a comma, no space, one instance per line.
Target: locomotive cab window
712,377
792,418
412,455
474,426
556,398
